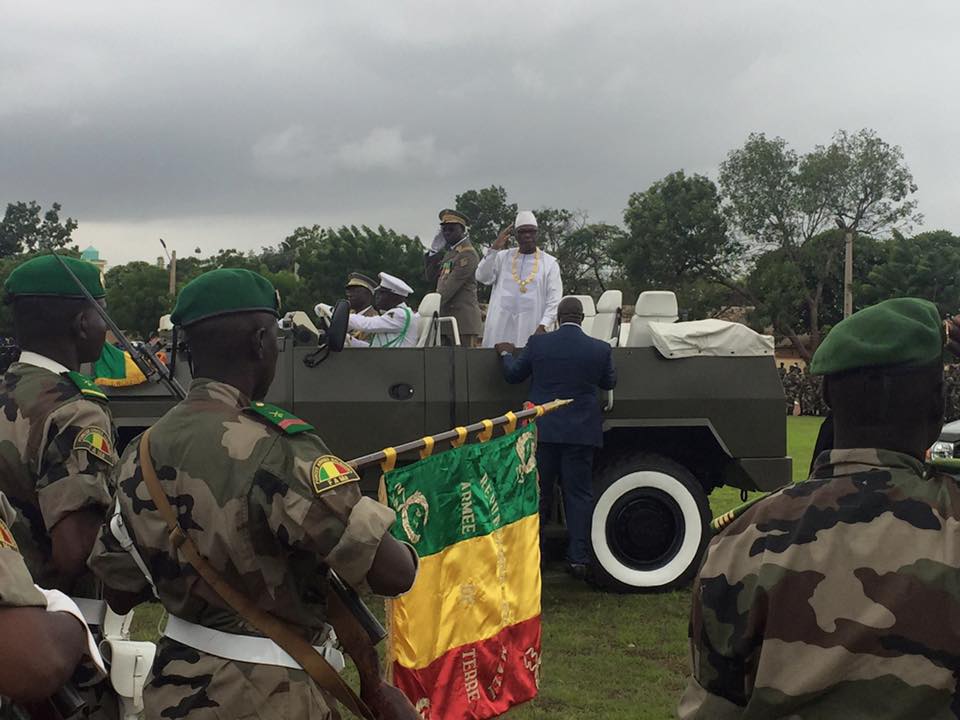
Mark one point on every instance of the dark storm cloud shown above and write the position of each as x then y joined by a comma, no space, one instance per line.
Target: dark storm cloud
247,118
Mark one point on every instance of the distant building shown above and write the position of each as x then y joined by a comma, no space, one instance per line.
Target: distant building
92,255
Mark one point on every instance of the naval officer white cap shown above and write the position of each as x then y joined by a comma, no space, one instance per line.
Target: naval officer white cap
394,284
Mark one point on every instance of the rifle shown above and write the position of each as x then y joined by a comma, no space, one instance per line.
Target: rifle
152,370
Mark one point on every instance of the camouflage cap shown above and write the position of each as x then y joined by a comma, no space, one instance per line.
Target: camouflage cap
224,292
45,275
904,332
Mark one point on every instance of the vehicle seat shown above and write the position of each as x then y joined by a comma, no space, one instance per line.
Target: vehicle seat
607,320
589,311
652,306
429,311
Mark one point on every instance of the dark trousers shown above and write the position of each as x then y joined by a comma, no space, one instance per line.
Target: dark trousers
572,466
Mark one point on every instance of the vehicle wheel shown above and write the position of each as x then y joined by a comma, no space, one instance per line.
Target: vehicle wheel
650,524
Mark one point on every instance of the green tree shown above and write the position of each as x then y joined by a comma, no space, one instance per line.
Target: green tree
924,265
327,256
137,296
677,239
779,200
26,228
582,250
489,212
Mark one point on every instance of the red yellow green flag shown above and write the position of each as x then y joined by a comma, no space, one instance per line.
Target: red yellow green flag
465,641
116,368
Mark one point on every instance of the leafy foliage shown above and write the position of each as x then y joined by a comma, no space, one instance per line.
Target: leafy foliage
781,203
488,211
924,265
137,296
26,228
678,240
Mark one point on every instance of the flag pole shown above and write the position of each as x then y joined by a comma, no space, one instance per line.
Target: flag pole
457,433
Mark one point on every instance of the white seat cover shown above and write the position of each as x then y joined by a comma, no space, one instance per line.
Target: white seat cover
709,338
658,306
429,306
608,308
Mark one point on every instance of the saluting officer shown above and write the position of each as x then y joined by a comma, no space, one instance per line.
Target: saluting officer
264,501
57,439
42,633
452,263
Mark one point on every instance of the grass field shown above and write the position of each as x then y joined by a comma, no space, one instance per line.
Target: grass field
616,657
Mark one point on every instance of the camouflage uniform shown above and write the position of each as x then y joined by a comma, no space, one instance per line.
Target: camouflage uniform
16,585
834,598
56,450
254,489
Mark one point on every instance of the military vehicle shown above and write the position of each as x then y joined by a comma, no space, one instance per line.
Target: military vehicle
695,412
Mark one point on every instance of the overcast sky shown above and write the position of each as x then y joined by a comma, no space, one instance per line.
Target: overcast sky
228,124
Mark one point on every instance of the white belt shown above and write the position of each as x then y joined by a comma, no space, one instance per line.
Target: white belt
93,611
244,648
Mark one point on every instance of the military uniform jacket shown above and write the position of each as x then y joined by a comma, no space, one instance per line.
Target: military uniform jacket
837,597
16,584
456,280
56,450
270,509
360,335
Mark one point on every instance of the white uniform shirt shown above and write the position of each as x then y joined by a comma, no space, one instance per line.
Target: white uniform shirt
397,327
513,315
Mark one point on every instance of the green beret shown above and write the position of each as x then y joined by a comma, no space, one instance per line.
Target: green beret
224,292
904,332
45,275
453,216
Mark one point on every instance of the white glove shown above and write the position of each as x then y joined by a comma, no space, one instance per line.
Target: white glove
58,602
324,311
439,243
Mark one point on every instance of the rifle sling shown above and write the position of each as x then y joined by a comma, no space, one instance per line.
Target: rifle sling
272,627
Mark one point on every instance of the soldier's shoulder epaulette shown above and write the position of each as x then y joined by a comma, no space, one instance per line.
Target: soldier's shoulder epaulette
87,387
467,247
288,422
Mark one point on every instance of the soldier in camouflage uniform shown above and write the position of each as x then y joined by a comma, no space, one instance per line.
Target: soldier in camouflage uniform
45,621
57,439
838,597
266,504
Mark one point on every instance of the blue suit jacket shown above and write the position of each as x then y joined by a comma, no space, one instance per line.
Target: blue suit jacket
565,363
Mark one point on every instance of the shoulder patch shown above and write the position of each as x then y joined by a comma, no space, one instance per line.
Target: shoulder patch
287,422
6,538
95,441
86,386
330,472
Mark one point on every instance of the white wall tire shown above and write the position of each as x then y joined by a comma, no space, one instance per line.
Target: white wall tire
649,526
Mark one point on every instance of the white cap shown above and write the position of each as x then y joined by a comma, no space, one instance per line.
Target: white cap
525,217
394,285
165,324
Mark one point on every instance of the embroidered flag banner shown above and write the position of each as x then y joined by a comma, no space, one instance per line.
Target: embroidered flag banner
116,368
465,641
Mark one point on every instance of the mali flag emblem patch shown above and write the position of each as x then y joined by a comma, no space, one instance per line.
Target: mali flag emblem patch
6,537
95,441
329,472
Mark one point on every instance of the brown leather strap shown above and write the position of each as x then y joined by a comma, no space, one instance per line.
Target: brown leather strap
315,665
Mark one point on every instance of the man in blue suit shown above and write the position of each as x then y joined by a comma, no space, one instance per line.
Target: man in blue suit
567,364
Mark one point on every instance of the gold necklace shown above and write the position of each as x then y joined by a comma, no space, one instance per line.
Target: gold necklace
523,282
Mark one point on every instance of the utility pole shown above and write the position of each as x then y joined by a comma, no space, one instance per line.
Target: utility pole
848,274
173,273
172,258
